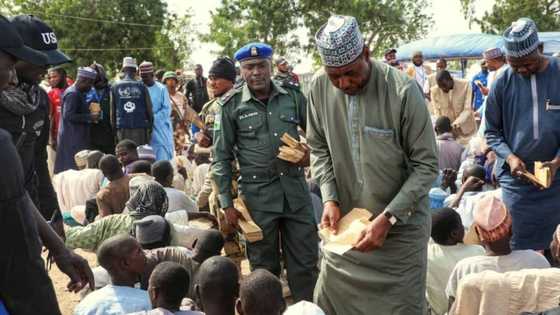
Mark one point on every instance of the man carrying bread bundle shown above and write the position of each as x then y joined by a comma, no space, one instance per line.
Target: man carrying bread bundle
254,117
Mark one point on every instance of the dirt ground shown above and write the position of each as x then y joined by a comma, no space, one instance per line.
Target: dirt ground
68,300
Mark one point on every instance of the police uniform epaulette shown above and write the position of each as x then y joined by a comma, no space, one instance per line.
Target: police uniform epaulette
229,94
288,84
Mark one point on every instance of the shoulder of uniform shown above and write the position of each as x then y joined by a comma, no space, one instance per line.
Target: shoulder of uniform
208,104
226,98
288,85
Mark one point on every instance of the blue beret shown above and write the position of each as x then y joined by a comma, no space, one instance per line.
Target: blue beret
253,50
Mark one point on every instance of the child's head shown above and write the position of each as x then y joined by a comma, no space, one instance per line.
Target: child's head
122,257
163,171
110,167
140,167
442,125
152,232
447,227
217,286
169,284
93,159
492,225
208,243
474,171
260,286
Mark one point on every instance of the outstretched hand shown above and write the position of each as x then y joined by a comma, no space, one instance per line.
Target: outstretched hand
76,268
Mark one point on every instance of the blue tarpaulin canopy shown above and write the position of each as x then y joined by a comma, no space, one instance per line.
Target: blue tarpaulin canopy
466,46
551,42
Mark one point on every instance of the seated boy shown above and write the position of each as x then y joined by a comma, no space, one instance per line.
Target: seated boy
169,284
492,229
178,200
112,198
152,232
465,199
217,287
260,286
450,151
445,250
125,261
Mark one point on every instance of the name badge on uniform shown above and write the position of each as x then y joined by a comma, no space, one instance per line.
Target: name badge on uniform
244,116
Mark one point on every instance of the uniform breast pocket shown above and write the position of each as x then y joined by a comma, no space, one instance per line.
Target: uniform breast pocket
248,125
290,122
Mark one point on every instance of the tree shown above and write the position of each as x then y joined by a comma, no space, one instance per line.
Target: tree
382,23
107,30
545,13
177,33
7,7
238,22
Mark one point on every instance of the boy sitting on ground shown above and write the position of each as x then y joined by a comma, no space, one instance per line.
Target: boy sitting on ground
470,192
492,229
450,151
125,261
217,287
112,198
163,173
169,284
153,232
445,250
260,293
178,200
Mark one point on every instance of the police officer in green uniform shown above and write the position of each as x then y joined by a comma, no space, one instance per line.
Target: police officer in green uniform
283,74
221,79
253,118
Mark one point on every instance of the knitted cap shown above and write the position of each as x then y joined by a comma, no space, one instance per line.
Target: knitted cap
339,41
521,38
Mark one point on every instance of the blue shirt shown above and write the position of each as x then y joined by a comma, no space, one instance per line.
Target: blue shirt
162,134
113,300
517,120
478,98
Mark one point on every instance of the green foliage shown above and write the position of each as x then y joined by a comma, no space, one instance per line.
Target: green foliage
545,13
107,30
238,22
7,7
383,24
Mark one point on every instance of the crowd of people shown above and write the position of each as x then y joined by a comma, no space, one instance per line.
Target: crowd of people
149,171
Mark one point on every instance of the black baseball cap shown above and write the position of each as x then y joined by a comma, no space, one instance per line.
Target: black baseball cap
39,36
12,44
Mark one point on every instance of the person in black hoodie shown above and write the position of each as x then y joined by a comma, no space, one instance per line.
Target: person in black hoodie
102,133
24,112
25,287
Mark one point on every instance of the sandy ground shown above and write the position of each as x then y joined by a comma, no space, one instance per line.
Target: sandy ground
68,300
